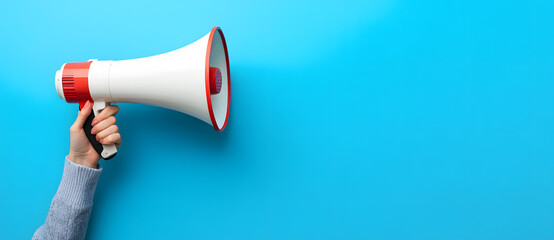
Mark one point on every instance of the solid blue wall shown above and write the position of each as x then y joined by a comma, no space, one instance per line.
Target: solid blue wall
376,119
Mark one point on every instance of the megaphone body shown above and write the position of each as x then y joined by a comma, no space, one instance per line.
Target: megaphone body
194,80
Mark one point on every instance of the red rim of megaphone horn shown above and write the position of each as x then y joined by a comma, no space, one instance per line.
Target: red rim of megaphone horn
210,109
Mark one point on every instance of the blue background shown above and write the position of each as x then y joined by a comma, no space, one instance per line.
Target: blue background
377,119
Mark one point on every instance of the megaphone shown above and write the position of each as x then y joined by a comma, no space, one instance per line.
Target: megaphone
195,80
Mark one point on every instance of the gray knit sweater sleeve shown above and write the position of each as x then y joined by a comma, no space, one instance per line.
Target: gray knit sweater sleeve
70,209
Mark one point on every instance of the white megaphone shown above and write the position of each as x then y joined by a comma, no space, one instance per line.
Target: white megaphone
194,80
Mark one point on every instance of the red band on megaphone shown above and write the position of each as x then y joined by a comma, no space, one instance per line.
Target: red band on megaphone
75,82
208,82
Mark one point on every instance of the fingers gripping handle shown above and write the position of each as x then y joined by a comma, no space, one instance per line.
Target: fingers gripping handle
106,151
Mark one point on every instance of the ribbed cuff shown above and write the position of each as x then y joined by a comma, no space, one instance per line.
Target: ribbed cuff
78,184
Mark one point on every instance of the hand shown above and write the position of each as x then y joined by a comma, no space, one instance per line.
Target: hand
81,151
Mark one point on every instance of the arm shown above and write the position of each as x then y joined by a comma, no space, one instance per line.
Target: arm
71,207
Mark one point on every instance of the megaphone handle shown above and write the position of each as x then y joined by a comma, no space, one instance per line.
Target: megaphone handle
106,151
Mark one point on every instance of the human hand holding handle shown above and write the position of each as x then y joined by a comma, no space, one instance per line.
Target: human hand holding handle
103,126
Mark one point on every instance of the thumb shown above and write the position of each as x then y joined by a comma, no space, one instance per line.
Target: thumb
82,117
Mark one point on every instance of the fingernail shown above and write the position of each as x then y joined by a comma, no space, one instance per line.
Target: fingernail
94,121
93,131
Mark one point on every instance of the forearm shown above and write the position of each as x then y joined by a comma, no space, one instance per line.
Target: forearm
70,209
